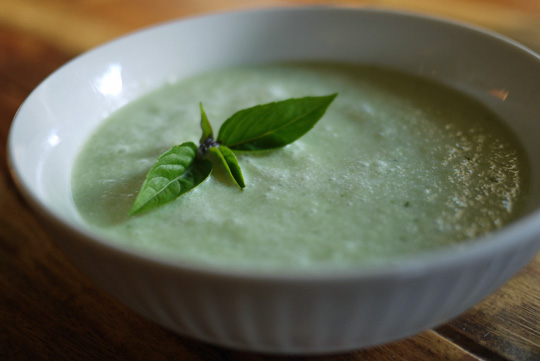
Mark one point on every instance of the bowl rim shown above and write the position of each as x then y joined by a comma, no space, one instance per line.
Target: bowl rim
522,230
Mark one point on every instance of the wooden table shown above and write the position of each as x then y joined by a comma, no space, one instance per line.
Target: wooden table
50,311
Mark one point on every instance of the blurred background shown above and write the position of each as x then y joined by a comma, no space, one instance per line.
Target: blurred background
76,25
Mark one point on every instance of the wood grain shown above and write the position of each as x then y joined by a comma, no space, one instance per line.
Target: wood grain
51,311
507,322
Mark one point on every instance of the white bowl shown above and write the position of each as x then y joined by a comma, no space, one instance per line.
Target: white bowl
286,312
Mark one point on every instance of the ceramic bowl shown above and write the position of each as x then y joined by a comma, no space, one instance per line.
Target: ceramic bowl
319,312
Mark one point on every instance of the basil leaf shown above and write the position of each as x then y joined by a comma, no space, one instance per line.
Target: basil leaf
261,127
272,125
176,172
205,125
230,163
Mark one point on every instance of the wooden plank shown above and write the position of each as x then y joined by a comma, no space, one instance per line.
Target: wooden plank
94,22
79,26
507,322
25,60
428,346
54,22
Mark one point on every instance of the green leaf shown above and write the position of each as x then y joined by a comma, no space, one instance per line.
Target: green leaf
230,163
205,125
261,127
176,172
272,125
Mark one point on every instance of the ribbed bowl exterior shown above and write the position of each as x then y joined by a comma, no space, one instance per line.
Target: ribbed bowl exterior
296,315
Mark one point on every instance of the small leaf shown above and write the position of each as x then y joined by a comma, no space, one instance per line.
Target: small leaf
272,125
230,163
205,125
175,173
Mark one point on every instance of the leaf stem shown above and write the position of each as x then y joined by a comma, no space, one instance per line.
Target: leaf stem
205,145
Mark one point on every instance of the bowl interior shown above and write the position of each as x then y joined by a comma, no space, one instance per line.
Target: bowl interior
62,112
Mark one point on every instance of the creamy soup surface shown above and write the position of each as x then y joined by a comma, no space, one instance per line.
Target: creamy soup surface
397,165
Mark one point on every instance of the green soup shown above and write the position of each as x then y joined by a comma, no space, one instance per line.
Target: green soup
397,165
